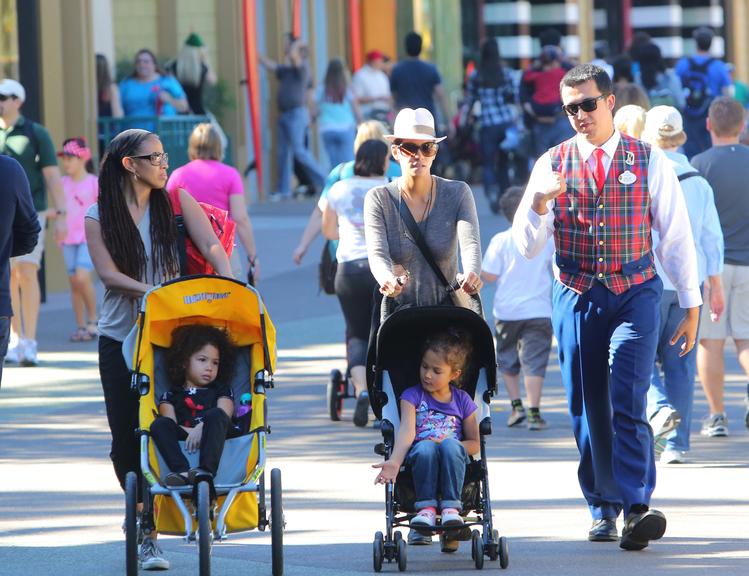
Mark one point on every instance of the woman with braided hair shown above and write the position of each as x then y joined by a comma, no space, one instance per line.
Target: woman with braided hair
132,239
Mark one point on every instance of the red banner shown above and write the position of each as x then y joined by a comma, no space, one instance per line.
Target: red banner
354,11
249,20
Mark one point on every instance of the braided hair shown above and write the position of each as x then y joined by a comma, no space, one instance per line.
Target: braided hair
119,232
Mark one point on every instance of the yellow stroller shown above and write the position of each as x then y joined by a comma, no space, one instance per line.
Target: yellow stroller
233,501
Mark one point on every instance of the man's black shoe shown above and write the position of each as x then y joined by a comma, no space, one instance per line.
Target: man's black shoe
603,530
641,528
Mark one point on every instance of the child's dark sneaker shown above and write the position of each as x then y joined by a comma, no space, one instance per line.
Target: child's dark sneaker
176,480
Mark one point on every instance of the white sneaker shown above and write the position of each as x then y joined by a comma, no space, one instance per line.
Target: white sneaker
663,422
28,353
13,355
150,556
424,521
715,425
670,456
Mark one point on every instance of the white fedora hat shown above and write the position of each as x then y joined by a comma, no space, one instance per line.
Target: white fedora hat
413,124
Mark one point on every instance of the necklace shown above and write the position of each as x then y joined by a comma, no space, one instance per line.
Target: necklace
427,205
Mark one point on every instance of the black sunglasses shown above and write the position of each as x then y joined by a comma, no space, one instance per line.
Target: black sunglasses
587,105
156,158
4,97
428,149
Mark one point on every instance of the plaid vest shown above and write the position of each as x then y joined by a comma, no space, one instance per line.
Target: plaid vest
606,236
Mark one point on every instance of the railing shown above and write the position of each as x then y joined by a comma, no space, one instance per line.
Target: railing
174,132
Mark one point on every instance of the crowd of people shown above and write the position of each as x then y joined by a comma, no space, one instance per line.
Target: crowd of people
629,215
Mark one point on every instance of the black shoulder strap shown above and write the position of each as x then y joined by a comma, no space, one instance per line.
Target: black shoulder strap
701,68
686,175
418,237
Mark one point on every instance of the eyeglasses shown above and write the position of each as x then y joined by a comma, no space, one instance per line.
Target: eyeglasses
587,105
428,149
156,158
4,97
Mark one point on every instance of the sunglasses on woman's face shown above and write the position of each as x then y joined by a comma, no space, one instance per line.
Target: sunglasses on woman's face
587,105
156,158
428,149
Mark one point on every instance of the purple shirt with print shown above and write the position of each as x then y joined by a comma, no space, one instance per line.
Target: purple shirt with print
439,419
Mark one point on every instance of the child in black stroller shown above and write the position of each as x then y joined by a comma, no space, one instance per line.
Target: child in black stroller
433,376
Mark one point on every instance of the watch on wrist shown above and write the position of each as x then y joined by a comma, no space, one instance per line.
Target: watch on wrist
61,212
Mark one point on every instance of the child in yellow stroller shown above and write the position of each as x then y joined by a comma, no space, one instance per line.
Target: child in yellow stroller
203,502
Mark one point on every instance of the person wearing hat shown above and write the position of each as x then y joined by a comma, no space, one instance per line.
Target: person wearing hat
600,195
444,212
704,78
30,144
371,87
671,395
192,69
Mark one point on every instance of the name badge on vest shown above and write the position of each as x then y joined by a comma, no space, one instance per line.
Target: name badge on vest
627,178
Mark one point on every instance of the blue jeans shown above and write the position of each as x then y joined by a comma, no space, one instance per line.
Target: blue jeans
607,345
547,135
339,146
438,470
292,127
676,387
494,169
4,336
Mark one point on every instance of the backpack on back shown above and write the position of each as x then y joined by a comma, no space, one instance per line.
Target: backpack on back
696,82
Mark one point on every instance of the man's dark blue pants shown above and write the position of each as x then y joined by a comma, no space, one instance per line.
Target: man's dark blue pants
607,345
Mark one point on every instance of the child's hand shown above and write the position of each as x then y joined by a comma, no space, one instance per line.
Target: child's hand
192,443
388,474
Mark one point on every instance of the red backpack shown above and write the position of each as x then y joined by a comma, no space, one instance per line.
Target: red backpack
191,261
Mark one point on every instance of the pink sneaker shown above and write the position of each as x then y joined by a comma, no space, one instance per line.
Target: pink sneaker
451,517
425,520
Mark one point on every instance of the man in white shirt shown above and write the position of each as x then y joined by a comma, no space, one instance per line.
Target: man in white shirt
371,87
600,194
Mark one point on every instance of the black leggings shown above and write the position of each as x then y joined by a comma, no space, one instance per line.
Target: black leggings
122,408
166,433
354,286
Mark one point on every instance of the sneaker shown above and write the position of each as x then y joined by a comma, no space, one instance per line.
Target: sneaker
517,416
536,422
361,412
28,353
670,456
150,556
451,517
715,425
424,521
418,539
663,422
448,544
14,355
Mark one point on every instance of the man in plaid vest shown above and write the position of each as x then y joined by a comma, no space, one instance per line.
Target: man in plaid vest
600,194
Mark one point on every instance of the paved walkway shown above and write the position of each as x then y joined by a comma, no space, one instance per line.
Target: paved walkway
61,508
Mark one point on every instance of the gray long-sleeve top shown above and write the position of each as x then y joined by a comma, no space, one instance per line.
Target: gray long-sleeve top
452,222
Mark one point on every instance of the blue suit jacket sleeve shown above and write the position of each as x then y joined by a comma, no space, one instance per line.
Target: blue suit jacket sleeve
25,223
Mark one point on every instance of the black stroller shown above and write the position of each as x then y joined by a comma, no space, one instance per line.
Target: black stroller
394,366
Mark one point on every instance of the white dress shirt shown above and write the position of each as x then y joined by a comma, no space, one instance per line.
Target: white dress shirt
667,207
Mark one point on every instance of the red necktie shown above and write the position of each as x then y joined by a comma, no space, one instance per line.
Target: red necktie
599,174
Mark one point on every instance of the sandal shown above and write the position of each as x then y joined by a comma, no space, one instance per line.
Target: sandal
176,480
92,329
81,335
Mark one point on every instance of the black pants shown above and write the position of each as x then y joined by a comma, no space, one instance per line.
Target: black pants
354,285
166,433
122,409
4,337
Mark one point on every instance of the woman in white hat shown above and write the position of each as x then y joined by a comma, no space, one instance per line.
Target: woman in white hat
444,211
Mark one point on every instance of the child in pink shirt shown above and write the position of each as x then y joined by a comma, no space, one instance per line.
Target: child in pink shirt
81,189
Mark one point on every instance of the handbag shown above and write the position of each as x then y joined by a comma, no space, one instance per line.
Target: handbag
191,261
327,269
454,295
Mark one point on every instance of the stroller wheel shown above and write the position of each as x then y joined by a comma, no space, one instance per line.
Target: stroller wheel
336,391
477,549
276,521
400,550
378,551
205,532
504,553
131,524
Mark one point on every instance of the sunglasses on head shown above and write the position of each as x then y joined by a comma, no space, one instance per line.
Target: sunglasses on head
427,149
156,158
587,105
